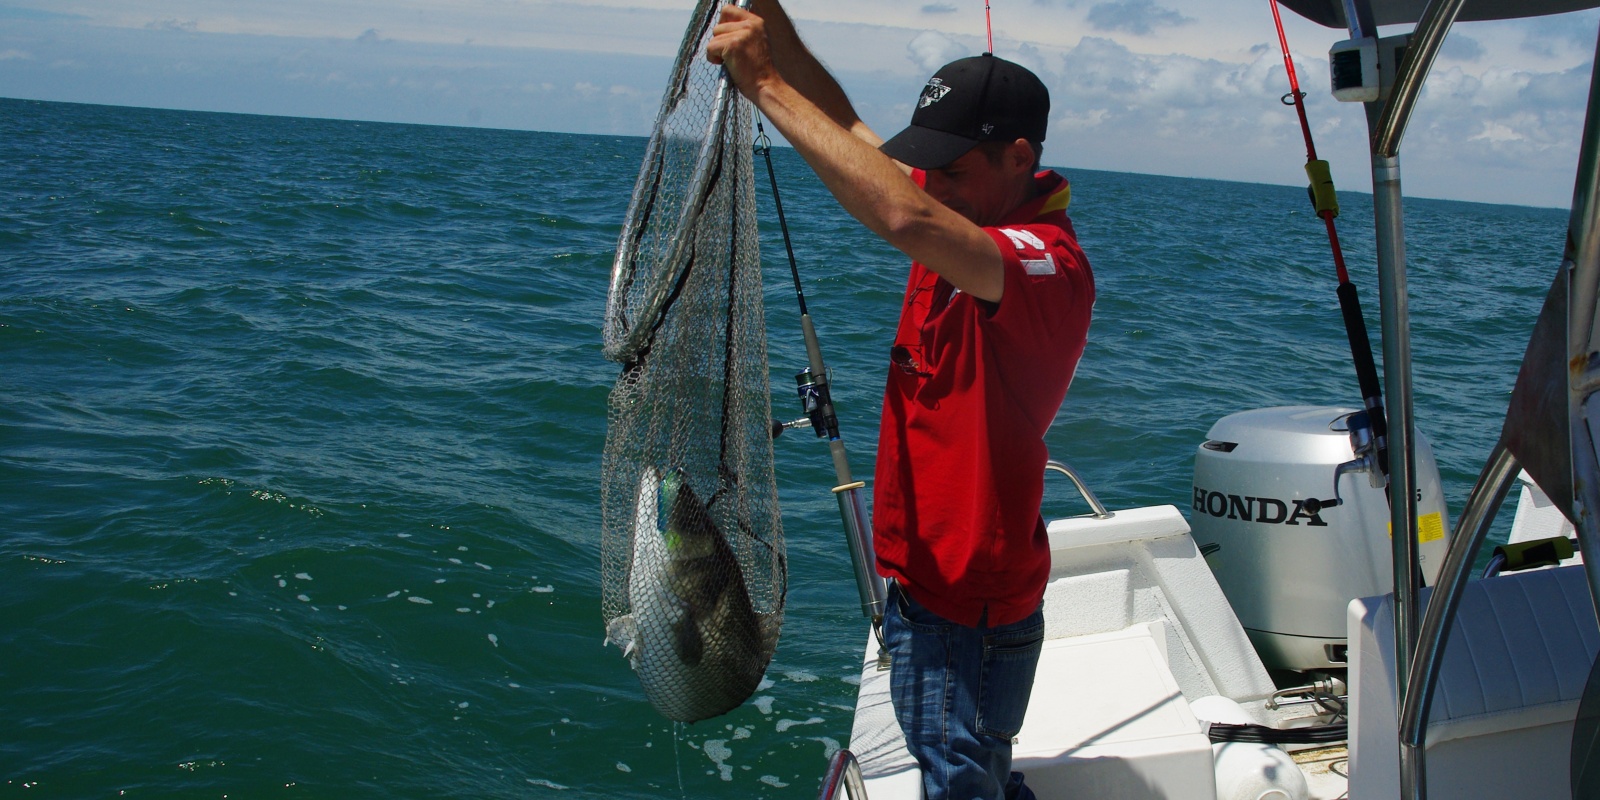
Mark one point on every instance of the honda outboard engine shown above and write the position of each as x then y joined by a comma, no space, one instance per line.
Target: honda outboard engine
1291,508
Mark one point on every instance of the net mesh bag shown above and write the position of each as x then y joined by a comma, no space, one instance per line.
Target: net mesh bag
692,556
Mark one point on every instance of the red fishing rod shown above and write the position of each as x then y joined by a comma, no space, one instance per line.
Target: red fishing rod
1326,203
988,25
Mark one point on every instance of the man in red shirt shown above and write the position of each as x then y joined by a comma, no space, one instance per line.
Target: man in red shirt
995,317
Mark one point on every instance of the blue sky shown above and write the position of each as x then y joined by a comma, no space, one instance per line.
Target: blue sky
1174,87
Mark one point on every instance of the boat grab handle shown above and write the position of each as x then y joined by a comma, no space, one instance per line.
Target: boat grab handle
845,769
1095,505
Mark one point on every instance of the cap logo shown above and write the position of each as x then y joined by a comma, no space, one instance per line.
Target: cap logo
932,93
987,129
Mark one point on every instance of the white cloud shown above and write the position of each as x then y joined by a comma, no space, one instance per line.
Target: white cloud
15,55
175,25
1138,17
930,51
1075,122
1460,47
1496,132
1565,33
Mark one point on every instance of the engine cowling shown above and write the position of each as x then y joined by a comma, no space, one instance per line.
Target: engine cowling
1291,550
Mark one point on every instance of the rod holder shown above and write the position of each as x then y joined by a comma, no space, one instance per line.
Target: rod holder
858,534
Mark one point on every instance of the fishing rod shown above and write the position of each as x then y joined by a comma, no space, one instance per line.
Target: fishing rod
816,398
1371,440
988,25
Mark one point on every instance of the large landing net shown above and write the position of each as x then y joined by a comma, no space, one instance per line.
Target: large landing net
692,556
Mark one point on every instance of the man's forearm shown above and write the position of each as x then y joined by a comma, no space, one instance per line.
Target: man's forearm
801,69
871,186
873,189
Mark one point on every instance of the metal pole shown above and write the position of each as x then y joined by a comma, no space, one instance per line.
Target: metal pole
1499,473
1393,301
1387,131
1426,39
1358,18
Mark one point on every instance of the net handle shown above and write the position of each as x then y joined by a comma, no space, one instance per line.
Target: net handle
667,274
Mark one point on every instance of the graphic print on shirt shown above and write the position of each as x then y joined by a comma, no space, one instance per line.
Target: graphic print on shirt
1031,251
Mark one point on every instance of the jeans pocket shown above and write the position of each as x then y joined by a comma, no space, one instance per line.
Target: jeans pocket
1010,659
915,616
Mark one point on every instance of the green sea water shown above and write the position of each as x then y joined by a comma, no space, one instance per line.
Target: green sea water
301,420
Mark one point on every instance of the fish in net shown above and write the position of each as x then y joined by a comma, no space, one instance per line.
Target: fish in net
692,556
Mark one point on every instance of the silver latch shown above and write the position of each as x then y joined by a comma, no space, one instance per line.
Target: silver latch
1365,447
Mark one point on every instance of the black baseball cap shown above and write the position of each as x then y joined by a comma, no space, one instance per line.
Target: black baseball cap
968,101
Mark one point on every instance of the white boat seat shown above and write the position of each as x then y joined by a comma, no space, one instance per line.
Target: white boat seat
1142,566
1509,685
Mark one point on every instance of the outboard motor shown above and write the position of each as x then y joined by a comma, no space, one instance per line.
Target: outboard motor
1290,506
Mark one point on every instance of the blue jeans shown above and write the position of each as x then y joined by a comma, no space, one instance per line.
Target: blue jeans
959,694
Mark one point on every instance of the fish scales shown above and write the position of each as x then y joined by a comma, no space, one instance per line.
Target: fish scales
693,636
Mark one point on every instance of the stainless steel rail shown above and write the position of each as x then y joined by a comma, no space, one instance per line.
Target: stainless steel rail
843,770
1095,505
1499,473
1426,40
1387,130
1394,304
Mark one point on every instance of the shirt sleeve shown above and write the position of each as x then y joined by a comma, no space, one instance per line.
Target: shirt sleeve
1049,290
1037,335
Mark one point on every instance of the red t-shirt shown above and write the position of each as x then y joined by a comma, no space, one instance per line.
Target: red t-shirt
973,386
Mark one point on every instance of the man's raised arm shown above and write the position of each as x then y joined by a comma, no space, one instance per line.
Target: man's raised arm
801,69
872,187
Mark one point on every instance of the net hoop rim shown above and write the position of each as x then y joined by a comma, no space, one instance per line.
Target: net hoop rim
629,345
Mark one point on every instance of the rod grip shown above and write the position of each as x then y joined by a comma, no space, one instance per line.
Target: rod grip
1355,326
